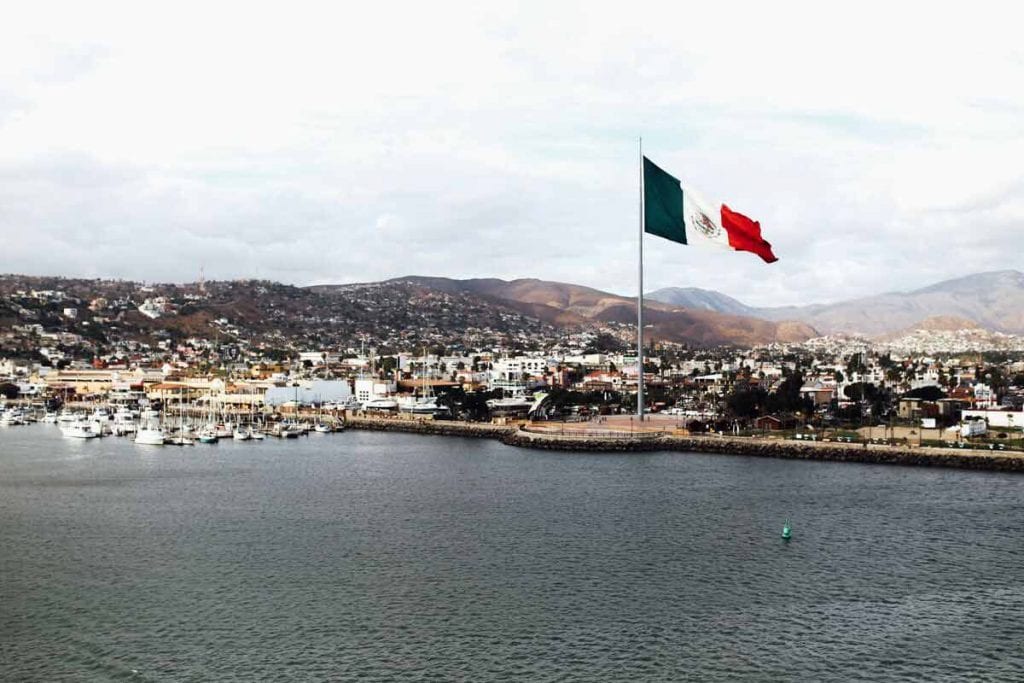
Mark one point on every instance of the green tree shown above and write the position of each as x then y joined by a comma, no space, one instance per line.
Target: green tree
787,398
746,401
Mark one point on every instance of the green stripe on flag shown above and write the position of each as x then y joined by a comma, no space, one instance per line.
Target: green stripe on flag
663,204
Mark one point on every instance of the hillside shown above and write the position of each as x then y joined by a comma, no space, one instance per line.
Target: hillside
702,299
994,301
558,303
267,313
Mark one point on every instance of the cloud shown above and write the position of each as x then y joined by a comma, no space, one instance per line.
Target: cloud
329,143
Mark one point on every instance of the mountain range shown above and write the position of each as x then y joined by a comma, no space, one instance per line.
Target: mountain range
559,303
994,301
436,309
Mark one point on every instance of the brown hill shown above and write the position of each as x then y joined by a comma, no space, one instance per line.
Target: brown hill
994,301
562,303
935,323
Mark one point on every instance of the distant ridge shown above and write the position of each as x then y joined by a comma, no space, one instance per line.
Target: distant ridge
563,303
702,299
938,323
994,301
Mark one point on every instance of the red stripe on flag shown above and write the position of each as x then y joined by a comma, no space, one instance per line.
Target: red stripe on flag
745,234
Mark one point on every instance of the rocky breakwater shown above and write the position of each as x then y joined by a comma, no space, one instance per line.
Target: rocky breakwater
609,442
435,427
774,448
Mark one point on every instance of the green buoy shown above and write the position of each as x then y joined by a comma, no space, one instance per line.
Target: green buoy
787,531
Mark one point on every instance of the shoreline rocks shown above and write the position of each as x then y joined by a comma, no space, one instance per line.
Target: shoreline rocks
788,450
437,428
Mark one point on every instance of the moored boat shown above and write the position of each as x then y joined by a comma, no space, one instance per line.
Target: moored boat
207,435
150,435
79,429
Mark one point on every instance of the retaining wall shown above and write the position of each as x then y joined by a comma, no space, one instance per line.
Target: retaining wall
790,450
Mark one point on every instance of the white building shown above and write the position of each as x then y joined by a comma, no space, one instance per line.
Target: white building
153,308
516,368
996,418
319,357
984,397
973,428
370,387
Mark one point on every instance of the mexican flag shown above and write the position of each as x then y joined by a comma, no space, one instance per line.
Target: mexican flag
681,215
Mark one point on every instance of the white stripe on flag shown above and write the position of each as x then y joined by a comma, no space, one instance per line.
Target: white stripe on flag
703,221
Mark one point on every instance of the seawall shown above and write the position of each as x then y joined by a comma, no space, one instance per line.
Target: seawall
439,427
789,450
763,448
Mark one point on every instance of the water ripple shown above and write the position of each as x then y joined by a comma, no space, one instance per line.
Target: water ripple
400,558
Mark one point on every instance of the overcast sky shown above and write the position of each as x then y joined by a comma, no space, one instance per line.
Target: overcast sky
880,147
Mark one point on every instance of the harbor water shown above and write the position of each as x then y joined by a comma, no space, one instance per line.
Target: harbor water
382,556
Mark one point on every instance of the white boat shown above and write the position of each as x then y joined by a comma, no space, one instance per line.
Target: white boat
241,434
257,435
123,425
101,427
380,404
421,405
179,440
322,428
423,402
150,434
124,422
290,431
510,403
101,414
10,418
50,418
80,429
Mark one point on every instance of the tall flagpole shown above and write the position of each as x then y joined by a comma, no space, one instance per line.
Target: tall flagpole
640,298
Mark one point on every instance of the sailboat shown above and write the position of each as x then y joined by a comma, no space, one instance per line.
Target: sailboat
321,427
426,402
181,438
207,433
150,431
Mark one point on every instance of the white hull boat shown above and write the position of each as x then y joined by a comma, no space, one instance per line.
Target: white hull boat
150,437
79,430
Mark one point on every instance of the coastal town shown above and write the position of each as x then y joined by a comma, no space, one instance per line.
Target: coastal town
535,341
190,363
